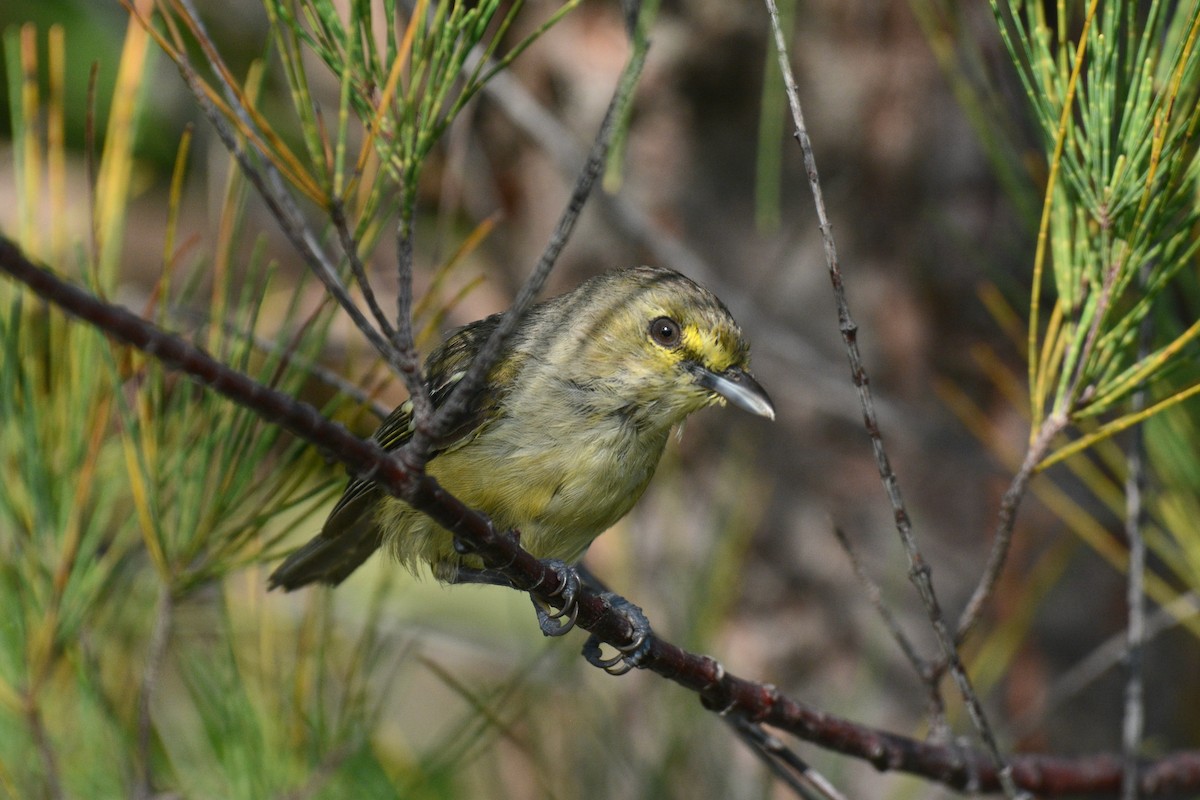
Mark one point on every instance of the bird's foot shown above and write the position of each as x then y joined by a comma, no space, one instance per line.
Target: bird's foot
629,656
557,623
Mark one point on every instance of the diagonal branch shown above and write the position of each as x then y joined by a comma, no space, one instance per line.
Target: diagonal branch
718,690
466,388
640,228
919,570
264,176
1006,520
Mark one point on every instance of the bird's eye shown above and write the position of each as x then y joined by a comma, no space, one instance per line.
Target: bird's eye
665,331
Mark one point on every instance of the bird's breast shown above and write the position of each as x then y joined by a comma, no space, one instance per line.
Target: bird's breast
560,481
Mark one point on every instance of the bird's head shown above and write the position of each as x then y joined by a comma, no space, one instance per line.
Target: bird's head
659,343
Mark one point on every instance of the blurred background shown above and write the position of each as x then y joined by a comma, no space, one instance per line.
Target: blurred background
396,687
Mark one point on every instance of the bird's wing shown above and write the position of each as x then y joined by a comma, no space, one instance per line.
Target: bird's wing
350,534
445,368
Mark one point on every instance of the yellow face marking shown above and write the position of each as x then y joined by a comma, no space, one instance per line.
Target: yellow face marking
710,345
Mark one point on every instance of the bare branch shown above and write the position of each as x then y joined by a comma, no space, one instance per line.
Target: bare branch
919,571
337,215
1006,520
719,691
491,350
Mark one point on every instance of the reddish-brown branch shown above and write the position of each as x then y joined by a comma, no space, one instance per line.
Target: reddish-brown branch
718,690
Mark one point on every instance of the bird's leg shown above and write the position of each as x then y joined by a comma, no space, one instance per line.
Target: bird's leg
629,656
551,622
559,622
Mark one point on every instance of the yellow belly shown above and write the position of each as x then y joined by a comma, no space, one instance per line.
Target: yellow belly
561,486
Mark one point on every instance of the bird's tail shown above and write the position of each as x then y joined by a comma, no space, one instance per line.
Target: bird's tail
349,537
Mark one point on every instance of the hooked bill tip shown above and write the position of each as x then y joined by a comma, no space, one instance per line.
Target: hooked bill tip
738,387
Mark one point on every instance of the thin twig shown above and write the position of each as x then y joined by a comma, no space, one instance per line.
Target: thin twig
1006,519
919,571
926,672
1103,658
875,596
1135,519
269,183
337,215
156,651
796,774
1134,715
1040,444
287,356
491,350
417,450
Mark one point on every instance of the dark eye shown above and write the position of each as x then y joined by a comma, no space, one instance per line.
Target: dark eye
665,331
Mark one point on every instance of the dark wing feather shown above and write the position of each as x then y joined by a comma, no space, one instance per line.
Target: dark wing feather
348,538
350,534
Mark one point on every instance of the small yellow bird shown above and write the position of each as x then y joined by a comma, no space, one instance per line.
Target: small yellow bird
563,436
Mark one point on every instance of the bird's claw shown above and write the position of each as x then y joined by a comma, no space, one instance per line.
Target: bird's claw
628,656
557,623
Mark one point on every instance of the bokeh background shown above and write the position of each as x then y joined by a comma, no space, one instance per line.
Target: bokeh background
732,551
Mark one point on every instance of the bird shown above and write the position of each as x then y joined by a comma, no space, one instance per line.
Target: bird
561,438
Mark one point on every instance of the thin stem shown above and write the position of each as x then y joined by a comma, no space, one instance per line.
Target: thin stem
156,651
287,357
337,215
805,782
466,388
1135,519
922,667
919,571
269,184
1134,715
1005,522
417,449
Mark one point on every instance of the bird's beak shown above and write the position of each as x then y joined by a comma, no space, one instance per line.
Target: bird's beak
738,387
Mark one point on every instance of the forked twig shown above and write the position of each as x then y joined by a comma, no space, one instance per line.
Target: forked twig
919,570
